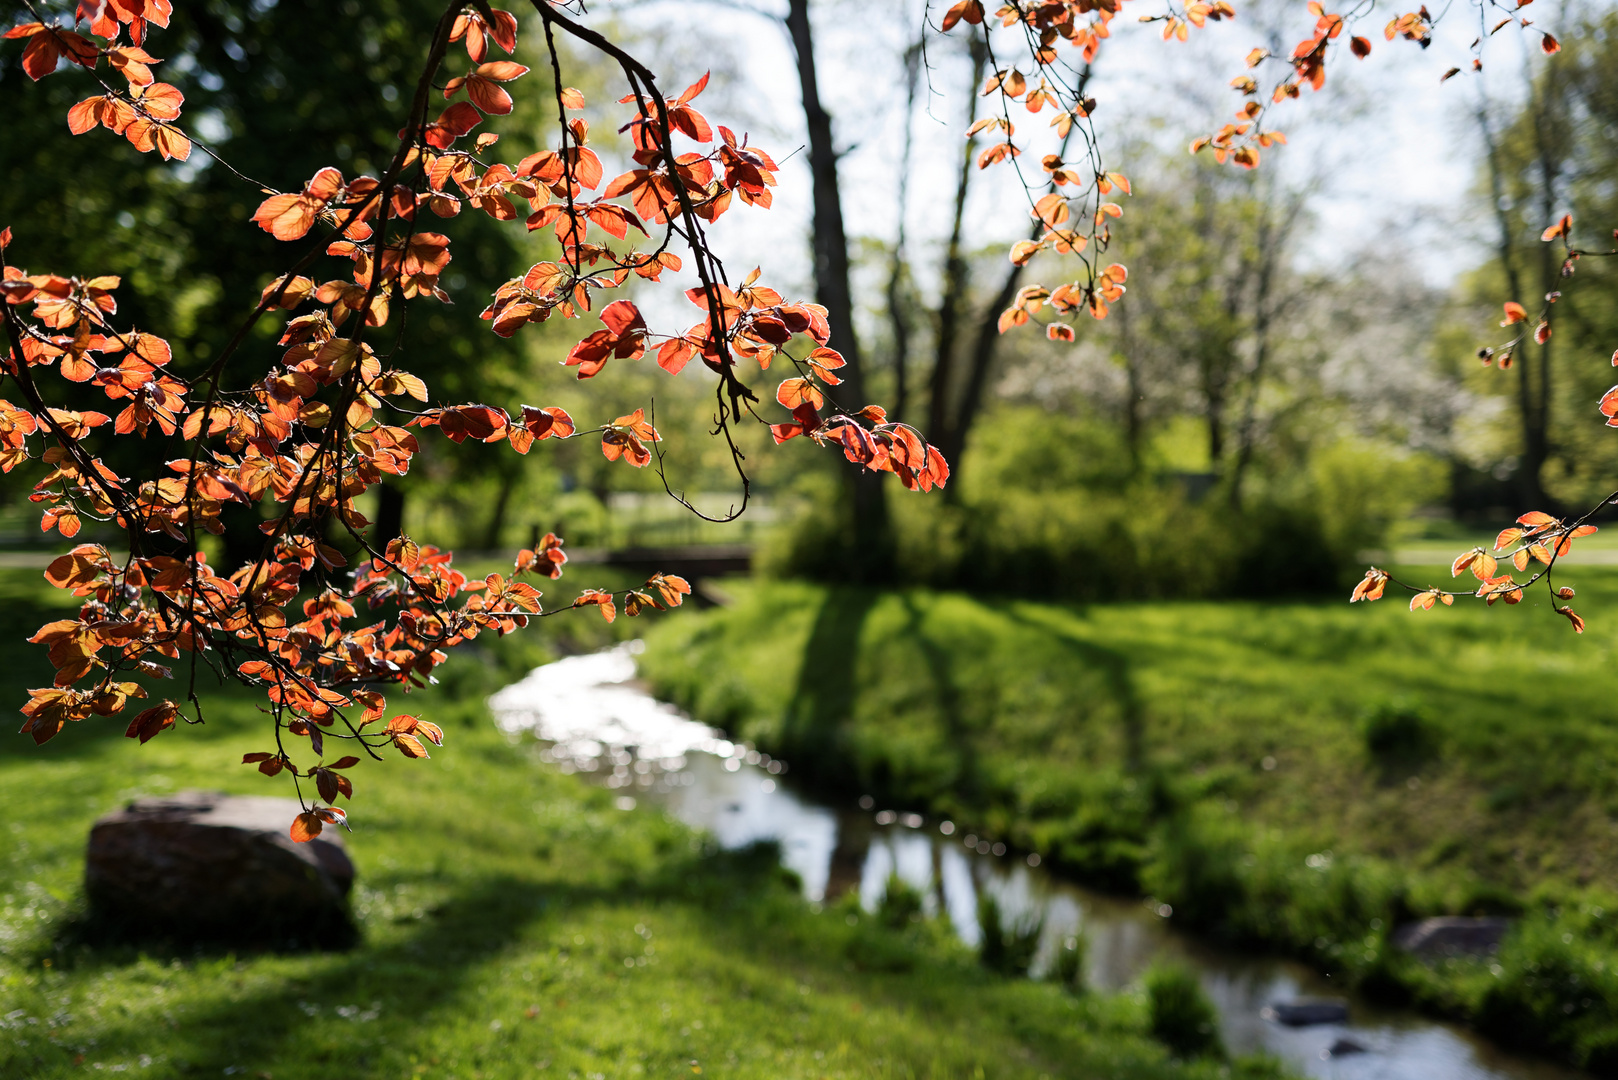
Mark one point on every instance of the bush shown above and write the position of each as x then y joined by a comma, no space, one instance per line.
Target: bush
901,904
1007,950
1195,865
1555,991
1179,1014
1051,508
1068,967
1398,733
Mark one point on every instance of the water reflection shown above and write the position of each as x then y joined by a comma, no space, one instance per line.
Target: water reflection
596,719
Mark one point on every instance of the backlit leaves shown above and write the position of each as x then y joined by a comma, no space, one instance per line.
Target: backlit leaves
290,217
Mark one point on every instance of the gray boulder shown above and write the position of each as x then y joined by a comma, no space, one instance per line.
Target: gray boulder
1451,935
1305,1013
1343,1046
204,866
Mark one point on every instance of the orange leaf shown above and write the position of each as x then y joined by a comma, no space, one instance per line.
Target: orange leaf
795,392
305,827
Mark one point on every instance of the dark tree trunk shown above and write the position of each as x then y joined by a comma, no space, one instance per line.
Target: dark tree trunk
1529,412
957,283
953,442
1274,236
871,541
389,514
898,318
1550,156
957,426
1134,422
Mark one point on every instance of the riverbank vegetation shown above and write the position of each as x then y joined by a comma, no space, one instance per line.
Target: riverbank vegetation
1302,775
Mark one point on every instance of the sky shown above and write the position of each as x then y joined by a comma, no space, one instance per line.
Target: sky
1388,148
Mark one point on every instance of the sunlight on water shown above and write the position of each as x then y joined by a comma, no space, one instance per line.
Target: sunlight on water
595,719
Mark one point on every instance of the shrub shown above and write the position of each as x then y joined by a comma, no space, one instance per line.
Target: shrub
1555,990
1068,967
901,903
1008,950
1179,1014
1398,733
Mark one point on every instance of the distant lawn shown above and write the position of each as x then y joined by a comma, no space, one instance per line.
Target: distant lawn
515,925
1032,719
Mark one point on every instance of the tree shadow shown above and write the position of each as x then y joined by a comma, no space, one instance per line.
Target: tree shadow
1116,671
395,987
814,729
968,779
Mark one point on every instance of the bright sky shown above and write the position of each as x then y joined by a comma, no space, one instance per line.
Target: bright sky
1391,150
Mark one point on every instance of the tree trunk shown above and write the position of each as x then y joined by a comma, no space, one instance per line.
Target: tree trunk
897,316
389,514
953,442
1551,155
957,283
1133,421
957,427
871,548
1272,246
1528,412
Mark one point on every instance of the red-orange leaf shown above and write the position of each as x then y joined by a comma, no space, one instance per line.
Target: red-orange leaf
305,827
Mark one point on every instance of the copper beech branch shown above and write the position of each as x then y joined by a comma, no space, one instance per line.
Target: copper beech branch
312,430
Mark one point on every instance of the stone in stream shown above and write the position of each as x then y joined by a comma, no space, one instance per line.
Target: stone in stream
205,866
1451,935
1343,1046
1303,1013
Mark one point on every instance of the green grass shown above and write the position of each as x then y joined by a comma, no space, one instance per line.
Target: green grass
1301,775
1010,714
515,924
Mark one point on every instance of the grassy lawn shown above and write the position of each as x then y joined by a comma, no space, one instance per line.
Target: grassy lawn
516,924
1011,713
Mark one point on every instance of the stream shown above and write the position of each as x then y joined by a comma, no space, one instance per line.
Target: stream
595,718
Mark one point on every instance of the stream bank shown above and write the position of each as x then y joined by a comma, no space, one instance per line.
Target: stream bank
1297,778
597,720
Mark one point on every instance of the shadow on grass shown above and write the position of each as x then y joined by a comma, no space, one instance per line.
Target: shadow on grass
404,981
99,928
1116,673
814,733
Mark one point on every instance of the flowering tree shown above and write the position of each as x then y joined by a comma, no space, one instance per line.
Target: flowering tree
306,433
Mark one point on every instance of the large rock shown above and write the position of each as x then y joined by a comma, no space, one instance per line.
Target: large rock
1307,1013
1451,935
201,865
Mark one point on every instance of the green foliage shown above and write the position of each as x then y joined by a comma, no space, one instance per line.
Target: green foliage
1051,508
1068,967
1398,733
1362,488
901,903
1008,950
1179,1013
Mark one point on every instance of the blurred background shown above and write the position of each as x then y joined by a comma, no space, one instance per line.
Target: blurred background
1114,649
